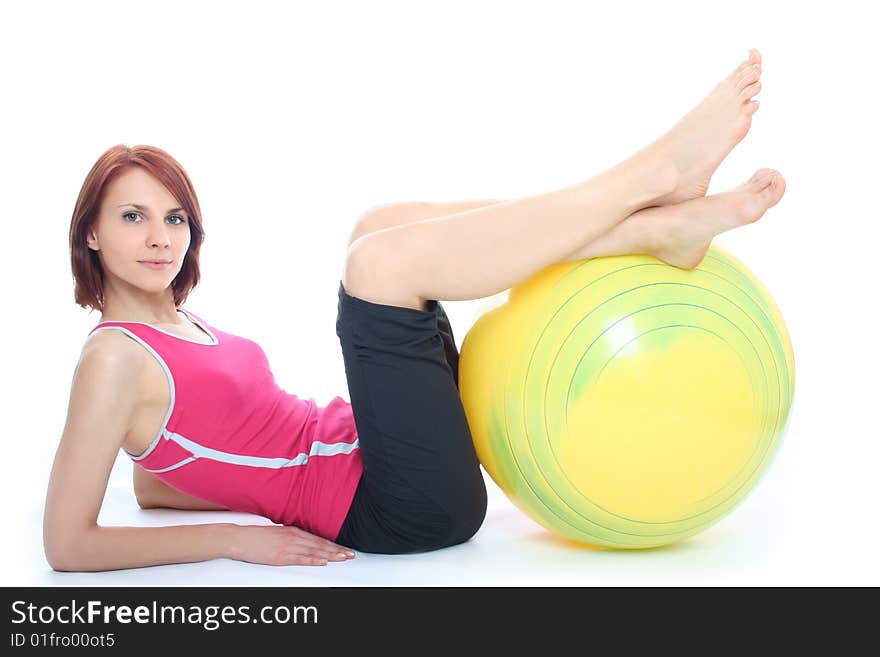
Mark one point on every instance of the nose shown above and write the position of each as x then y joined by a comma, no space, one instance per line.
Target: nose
158,236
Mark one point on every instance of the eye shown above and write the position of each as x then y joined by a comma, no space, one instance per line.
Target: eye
173,216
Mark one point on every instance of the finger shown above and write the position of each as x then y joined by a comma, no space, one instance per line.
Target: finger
321,553
305,538
300,560
318,542
307,557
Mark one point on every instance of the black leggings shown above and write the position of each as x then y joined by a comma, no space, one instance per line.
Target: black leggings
422,487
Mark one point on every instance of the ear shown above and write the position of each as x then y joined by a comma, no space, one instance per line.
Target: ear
92,241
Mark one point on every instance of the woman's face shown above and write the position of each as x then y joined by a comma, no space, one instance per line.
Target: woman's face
139,221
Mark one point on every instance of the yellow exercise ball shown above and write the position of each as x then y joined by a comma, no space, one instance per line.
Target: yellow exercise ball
625,403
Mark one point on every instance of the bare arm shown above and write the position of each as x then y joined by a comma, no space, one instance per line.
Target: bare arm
114,548
102,401
152,493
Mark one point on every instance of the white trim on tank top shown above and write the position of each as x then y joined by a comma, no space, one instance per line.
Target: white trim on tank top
170,378
318,448
174,335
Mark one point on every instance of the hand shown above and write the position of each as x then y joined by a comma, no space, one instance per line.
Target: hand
283,546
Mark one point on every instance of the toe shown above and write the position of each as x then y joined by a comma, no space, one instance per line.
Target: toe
754,58
750,90
760,173
771,186
775,189
751,107
739,69
748,76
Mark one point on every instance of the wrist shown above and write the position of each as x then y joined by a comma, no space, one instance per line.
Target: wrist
227,539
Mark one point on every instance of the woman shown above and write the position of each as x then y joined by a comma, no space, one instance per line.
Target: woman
199,412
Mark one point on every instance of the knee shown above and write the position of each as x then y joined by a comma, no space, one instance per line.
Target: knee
368,222
383,216
378,270
366,266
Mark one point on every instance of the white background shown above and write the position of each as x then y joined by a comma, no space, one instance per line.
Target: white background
293,118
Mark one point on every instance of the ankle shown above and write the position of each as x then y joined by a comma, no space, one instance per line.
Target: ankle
663,174
637,234
649,176
649,229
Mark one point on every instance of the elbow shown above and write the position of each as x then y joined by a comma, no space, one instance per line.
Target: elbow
61,567
71,561
143,500
145,503
53,548
60,559
65,551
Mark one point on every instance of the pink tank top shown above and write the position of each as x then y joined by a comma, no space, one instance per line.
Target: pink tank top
234,437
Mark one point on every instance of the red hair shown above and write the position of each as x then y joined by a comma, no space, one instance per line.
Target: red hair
88,274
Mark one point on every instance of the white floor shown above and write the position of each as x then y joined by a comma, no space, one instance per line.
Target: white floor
768,540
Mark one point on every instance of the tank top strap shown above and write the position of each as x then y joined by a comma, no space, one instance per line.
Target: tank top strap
142,329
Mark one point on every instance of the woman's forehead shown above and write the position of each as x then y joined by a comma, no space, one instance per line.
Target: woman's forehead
137,186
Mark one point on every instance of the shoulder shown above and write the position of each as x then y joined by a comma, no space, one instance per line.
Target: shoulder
112,346
111,360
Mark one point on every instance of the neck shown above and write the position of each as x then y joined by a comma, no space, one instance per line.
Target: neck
138,306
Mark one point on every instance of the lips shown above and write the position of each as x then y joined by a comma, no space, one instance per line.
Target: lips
160,265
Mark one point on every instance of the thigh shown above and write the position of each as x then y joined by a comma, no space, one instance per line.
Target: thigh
422,487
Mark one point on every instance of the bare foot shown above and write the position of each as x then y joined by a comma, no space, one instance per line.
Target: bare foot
704,136
682,233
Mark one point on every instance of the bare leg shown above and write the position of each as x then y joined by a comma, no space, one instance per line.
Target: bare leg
678,234
479,252
635,234
475,253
